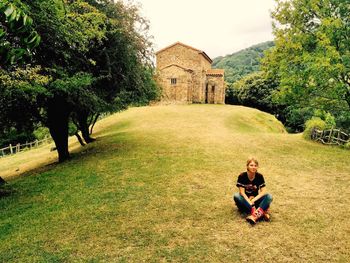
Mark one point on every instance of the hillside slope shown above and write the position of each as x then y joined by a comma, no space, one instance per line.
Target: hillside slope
243,62
157,185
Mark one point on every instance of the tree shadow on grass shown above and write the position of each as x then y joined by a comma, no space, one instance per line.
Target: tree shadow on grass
6,192
106,141
4,188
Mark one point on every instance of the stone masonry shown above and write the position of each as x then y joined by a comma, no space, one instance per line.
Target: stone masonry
186,76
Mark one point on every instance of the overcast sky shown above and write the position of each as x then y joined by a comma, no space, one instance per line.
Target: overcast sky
217,27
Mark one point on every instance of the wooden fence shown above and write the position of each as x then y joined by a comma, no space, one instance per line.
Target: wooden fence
13,149
331,137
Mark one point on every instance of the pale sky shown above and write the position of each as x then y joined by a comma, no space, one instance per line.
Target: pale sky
217,27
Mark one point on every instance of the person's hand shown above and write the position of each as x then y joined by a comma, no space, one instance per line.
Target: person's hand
251,202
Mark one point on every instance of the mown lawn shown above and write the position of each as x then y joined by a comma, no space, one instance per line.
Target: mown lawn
156,187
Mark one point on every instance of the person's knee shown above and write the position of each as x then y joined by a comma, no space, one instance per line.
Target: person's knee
269,197
236,197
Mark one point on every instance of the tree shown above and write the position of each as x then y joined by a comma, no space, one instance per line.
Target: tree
122,66
68,31
312,55
94,59
255,90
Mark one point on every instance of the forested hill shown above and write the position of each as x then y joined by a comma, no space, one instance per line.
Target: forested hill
243,62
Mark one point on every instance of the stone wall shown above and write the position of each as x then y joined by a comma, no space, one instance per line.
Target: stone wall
189,67
216,89
180,91
181,55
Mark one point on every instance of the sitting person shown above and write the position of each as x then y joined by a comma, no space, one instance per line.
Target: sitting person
252,197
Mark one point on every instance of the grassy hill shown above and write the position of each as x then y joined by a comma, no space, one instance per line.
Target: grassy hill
243,62
156,187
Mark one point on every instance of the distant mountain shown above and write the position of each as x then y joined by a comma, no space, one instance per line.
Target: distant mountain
243,62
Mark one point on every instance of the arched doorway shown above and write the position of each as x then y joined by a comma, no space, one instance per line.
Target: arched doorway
210,89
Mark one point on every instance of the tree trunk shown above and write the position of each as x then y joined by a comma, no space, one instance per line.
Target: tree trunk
94,122
84,126
79,139
58,117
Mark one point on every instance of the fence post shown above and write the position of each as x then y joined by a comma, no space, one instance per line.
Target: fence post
11,148
330,135
36,143
313,133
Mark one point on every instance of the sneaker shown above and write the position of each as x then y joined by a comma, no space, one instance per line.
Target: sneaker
251,219
260,212
267,217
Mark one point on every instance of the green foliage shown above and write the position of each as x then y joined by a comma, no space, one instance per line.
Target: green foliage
41,133
75,88
85,25
72,128
255,90
93,58
123,67
14,136
295,118
312,56
18,37
242,63
327,117
21,103
231,96
321,120
313,123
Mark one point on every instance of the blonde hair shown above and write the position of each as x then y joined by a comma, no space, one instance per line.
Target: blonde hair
252,159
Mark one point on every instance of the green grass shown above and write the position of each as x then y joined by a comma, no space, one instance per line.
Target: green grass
157,185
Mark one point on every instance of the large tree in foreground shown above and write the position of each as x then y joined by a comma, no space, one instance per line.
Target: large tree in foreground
91,60
312,55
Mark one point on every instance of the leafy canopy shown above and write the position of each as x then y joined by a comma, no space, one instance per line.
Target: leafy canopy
312,55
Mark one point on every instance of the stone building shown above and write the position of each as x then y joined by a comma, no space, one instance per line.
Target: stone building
186,76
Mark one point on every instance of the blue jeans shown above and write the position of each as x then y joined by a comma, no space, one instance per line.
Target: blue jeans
242,204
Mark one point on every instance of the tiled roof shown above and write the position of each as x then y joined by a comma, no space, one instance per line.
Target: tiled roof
179,43
215,72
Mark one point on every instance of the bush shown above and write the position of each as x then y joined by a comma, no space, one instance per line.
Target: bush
295,118
313,123
41,132
255,90
327,117
231,96
13,137
343,121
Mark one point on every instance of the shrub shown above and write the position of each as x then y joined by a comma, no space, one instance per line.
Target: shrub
231,96
255,90
41,132
314,122
295,118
